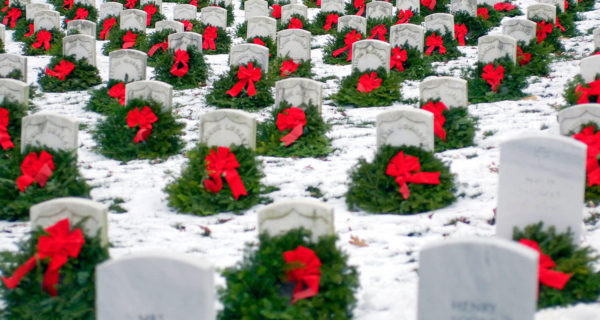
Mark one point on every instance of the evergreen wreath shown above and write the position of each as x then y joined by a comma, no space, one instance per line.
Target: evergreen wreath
316,27
136,4
496,16
195,77
312,4
539,64
384,95
514,81
158,16
115,138
76,288
584,284
553,38
312,143
387,22
100,26
59,5
372,190
55,44
241,29
100,100
187,193
476,26
268,42
21,29
71,13
16,111
222,43
450,44
65,181
116,41
82,77
335,43
304,69
460,128
592,193
571,96
567,21
155,38
352,10
441,6
285,26
19,22
415,66
256,289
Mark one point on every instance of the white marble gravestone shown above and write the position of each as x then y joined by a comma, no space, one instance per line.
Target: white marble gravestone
440,23
370,55
243,53
560,4
357,23
299,92
10,62
477,279
48,213
294,43
158,91
85,27
542,11
110,9
589,68
31,9
449,90
47,20
127,65
542,178
490,48
228,127
597,38
18,2
261,27
49,130
157,3
214,16
490,3
571,119
91,3
176,26
81,46
221,3
521,29
184,11
155,286
337,6
412,5
183,40
14,90
293,8
405,126
379,10
256,8
468,6
409,34
3,33
133,19
310,214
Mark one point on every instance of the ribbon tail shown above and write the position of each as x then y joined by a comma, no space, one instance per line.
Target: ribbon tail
361,10
24,182
439,131
251,88
214,184
553,279
339,51
311,290
13,282
425,178
237,88
293,135
5,140
235,183
43,175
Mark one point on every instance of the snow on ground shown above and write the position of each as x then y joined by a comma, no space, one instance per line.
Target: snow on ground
388,264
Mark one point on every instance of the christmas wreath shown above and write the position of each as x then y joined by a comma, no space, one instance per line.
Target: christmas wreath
14,17
357,7
215,40
125,39
578,92
66,73
368,89
407,63
158,42
434,6
105,99
548,32
106,25
453,127
296,22
285,67
265,42
440,47
312,3
44,42
495,14
408,16
590,136
80,11
534,58
339,49
11,114
496,81
183,69
468,29
324,23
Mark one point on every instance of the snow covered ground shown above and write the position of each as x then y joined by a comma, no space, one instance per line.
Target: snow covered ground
388,264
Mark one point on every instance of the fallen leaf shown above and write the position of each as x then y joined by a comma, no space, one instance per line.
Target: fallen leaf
356,241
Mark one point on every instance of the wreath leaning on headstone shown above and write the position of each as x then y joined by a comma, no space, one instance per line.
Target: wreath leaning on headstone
66,73
368,89
496,81
183,69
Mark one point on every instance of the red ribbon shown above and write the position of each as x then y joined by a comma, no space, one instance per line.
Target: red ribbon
397,59
429,4
180,67
59,245
557,22
288,67
304,268
223,163
330,20
276,13
566,4
129,40
13,15
592,140
144,119
107,25
292,119
161,45
6,4
150,11
247,76
208,38
31,31
483,13
80,14
542,30
523,58
493,77
118,92
460,32
68,4
43,38
434,41
404,16
188,26
368,82
547,277
5,141
194,3
360,6
130,4
35,169
592,90
260,43
61,70
379,31
438,117
506,6
351,37
405,168
295,23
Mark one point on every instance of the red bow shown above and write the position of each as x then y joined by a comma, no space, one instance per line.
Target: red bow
295,23
429,4
483,13
80,14
194,3
404,16
460,32
68,4
31,31
304,268
592,140
59,245
523,58
330,20
438,117
506,6
547,277
351,37
35,169
592,90
129,40
223,163
61,70
360,5
276,13
368,83
5,140
404,169
118,92
557,22
566,4
247,76
493,77
379,31
208,38
144,119
182,58
288,67
434,41
161,45
542,30
188,26
43,38
150,10
108,24
13,15
130,4
398,58
292,119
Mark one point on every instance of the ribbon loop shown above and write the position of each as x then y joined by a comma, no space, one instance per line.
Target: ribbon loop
118,92
429,4
368,82
403,168
144,119
223,163
288,67
547,277
304,269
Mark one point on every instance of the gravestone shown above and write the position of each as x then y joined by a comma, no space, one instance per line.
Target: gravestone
184,11
521,29
490,48
112,9
215,16
18,2
50,130
357,23
155,286
3,33
48,213
261,27
542,11
477,279
468,6
84,27
379,10
10,62
440,23
14,90
133,19
490,3
31,9
228,127
560,4
221,3
91,3
169,24
47,20
183,40
81,46
542,178
299,92
310,214
157,4
369,55
571,119
590,68
412,5
294,43
127,65
449,90
405,126
407,34
150,90
255,8
243,53
337,6
597,38
289,9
